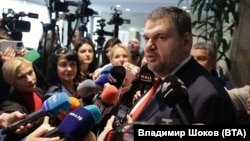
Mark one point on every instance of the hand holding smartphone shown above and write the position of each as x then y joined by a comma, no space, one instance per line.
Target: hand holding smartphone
120,117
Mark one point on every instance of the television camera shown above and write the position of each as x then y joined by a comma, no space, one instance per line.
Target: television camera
12,22
116,19
101,33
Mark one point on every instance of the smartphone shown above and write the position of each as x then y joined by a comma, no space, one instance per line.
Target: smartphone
120,117
17,45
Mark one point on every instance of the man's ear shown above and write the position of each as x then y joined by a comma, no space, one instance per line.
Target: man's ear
188,39
188,42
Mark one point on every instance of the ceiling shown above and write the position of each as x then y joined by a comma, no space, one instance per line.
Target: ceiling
135,6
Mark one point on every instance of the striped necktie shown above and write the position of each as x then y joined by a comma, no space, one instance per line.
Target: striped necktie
146,99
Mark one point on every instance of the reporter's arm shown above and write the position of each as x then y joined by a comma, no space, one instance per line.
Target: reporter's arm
106,129
41,130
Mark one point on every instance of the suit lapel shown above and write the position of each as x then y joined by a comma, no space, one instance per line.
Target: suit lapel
152,107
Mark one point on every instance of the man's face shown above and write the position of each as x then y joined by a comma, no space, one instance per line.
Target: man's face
202,57
134,45
164,49
75,38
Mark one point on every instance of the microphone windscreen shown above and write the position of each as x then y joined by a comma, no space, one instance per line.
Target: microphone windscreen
116,76
146,76
106,69
77,124
56,104
101,80
75,103
174,90
53,106
85,88
95,112
109,95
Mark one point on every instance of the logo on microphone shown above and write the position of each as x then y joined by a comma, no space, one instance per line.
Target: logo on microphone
146,77
78,117
112,79
54,98
166,89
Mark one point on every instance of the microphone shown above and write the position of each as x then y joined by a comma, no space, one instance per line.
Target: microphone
75,103
176,95
54,105
77,124
116,76
30,15
146,77
86,88
107,99
106,69
101,80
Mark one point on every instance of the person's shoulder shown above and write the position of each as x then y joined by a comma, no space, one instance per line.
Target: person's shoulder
52,90
10,106
39,91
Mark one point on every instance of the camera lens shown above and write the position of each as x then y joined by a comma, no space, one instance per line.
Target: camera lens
19,44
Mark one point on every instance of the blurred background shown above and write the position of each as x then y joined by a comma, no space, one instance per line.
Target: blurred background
132,12
126,18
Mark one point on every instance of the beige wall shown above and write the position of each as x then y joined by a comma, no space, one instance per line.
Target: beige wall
240,50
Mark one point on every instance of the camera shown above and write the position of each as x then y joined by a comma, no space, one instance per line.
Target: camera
120,117
12,21
116,19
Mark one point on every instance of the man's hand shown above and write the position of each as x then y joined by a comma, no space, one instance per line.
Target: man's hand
9,118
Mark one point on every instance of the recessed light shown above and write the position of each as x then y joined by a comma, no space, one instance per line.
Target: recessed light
132,29
184,7
127,9
118,5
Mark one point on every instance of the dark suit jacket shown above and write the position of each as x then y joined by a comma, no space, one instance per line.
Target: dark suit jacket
209,100
16,102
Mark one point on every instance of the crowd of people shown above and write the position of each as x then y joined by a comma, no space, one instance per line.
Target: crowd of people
184,75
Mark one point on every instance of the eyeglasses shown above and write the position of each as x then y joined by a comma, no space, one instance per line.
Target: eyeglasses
63,51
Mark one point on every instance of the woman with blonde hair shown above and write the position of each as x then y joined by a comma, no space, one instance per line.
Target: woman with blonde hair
24,96
120,56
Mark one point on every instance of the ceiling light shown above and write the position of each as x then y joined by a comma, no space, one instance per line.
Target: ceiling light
132,29
184,7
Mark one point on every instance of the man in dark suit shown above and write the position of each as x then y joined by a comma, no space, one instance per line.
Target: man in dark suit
168,41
